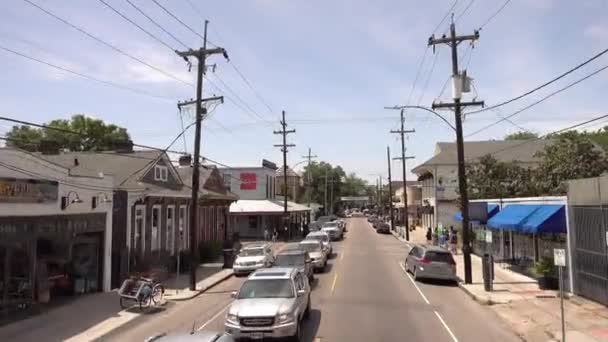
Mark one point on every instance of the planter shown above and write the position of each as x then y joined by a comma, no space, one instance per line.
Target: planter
548,283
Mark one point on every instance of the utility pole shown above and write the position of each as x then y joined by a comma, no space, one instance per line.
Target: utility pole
390,187
284,147
403,132
381,191
201,55
459,82
325,193
309,176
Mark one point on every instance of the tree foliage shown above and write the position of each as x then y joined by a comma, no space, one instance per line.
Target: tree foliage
94,135
522,135
572,155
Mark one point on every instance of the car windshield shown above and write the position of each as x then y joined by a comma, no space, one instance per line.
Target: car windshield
266,288
310,247
289,260
252,252
319,237
330,224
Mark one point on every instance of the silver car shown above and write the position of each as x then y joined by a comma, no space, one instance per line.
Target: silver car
271,303
316,252
431,263
253,257
324,238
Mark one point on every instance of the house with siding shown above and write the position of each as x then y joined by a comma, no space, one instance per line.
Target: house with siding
438,175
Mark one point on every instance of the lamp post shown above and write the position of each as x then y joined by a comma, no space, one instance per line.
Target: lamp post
66,202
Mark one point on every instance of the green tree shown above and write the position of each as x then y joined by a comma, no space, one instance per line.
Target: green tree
93,134
490,178
522,135
573,155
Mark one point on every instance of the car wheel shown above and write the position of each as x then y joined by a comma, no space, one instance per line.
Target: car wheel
307,312
298,336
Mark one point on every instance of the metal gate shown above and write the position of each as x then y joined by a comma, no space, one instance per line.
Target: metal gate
588,219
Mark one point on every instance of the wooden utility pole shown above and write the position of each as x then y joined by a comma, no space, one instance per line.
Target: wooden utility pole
309,174
201,55
284,131
390,187
402,132
458,82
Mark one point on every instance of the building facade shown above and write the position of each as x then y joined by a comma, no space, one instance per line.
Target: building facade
55,230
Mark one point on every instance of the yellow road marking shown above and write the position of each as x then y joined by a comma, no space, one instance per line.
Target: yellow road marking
333,285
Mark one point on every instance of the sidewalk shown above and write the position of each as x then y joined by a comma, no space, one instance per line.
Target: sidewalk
91,316
532,313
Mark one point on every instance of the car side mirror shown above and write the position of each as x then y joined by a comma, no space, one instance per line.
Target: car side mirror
233,294
301,293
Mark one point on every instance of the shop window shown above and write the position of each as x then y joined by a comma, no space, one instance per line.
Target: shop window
170,245
155,238
139,241
183,227
161,173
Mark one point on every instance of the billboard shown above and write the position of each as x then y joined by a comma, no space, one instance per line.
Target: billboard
248,180
21,190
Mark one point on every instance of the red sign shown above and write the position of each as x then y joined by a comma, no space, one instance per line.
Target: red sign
248,181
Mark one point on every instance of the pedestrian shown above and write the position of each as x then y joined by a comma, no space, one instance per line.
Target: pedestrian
275,234
429,236
453,240
435,236
266,234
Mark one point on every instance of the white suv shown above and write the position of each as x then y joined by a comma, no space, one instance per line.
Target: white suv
271,303
253,257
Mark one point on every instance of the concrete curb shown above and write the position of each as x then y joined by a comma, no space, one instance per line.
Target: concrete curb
478,299
205,288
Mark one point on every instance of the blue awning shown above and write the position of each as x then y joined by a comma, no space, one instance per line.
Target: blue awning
548,218
492,210
531,218
512,216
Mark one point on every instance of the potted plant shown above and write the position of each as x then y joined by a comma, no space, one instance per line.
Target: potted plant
546,273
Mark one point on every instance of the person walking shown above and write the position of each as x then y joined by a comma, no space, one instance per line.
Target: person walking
429,236
275,235
453,240
266,234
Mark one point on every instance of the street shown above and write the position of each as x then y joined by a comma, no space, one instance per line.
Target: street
364,295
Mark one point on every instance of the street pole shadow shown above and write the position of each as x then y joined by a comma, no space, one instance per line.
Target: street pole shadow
311,326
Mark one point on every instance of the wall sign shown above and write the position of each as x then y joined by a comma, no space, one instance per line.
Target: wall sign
248,181
559,257
21,190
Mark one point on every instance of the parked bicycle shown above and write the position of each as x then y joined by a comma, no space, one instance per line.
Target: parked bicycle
146,292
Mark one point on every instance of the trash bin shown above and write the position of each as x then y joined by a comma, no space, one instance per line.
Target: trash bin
488,271
228,257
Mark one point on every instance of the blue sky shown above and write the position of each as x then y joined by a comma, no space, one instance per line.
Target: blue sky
332,65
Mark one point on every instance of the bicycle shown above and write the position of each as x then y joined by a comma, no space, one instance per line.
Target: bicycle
146,292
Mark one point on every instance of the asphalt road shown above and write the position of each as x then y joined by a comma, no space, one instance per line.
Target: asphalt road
364,295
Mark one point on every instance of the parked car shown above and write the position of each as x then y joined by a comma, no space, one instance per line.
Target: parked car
296,258
431,262
371,218
253,257
333,230
317,253
271,303
383,228
324,238
196,336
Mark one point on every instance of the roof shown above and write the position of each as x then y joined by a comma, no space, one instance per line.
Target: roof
265,206
205,173
522,151
290,172
126,168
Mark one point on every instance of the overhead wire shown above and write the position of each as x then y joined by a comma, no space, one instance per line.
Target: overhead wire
181,22
85,76
464,11
113,47
559,77
494,14
540,100
156,24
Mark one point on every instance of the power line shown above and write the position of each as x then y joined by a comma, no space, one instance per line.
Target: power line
231,91
180,21
251,86
137,25
156,24
85,76
541,100
495,14
101,41
426,83
445,16
542,85
464,10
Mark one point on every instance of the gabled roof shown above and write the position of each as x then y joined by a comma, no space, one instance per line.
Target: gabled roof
522,151
127,168
290,172
207,175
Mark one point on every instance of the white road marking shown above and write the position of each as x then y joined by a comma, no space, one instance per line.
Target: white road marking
214,317
446,327
342,255
333,285
414,282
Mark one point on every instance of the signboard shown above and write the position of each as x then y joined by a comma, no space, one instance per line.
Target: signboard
488,236
248,180
559,257
478,211
21,190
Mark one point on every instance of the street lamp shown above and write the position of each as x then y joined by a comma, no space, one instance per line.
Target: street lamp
428,110
65,200
104,199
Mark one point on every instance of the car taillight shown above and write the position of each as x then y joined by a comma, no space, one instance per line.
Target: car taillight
425,261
